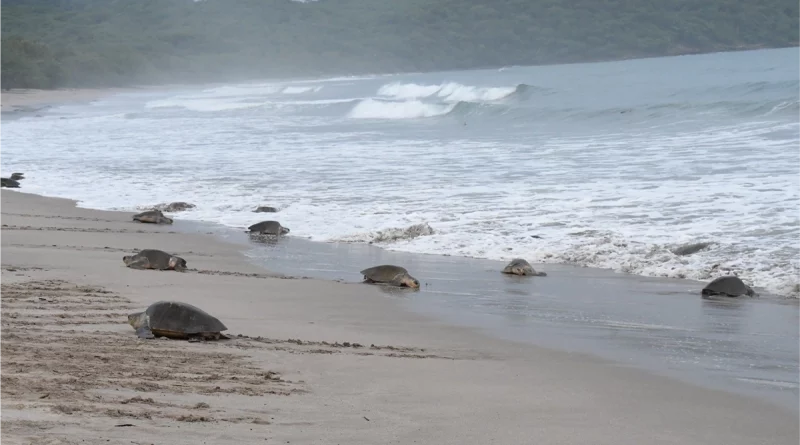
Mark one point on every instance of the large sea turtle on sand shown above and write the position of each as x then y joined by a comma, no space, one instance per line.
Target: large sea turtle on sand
519,266
153,217
729,286
268,228
173,319
8,182
389,274
154,259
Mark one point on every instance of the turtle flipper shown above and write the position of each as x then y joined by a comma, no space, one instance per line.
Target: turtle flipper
144,332
193,338
140,263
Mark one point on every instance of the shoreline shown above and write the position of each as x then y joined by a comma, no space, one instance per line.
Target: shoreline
437,383
26,101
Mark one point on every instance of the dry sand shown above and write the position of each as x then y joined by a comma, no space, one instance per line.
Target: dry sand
74,372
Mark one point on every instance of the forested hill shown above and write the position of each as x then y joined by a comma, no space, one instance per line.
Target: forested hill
52,43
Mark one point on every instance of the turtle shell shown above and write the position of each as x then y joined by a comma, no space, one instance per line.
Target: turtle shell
268,227
384,273
182,318
729,285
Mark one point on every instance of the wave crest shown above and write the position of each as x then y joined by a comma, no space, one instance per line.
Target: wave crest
412,109
449,92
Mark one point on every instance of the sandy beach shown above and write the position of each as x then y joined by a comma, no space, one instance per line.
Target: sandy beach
317,361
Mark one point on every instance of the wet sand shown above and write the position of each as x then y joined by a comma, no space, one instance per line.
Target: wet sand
74,372
663,325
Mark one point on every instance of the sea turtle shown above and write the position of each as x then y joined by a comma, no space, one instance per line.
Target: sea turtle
728,285
265,209
519,266
268,228
8,182
152,216
178,206
389,274
154,259
173,319
17,176
688,249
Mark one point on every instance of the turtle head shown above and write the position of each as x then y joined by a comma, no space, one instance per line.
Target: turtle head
136,320
177,263
284,230
409,281
127,259
164,220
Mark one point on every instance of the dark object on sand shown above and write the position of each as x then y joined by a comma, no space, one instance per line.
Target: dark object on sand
176,320
17,176
689,249
268,228
265,209
154,259
519,266
178,206
10,183
153,217
728,286
389,274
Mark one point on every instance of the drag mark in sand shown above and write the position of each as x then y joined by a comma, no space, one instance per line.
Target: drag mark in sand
62,368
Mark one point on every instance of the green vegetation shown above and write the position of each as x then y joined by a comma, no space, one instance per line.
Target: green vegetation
54,43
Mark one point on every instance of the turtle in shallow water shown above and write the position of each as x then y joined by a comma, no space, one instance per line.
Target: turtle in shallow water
178,206
154,259
17,176
389,274
519,266
153,217
268,228
8,182
729,286
265,209
173,319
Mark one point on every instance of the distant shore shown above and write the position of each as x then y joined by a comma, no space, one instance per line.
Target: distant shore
32,100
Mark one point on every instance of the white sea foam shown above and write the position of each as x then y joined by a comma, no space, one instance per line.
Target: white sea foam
301,90
410,109
612,196
448,92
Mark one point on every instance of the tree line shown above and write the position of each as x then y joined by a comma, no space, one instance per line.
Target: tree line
94,43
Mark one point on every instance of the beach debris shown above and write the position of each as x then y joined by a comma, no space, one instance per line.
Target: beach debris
152,217
154,259
265,209
268,228
728,285
177,206
688,249
519,266
176,320
390,274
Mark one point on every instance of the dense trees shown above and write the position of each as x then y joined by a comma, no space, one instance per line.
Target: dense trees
48,43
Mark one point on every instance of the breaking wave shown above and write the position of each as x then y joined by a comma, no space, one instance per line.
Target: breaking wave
449,92
389,235
412,109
